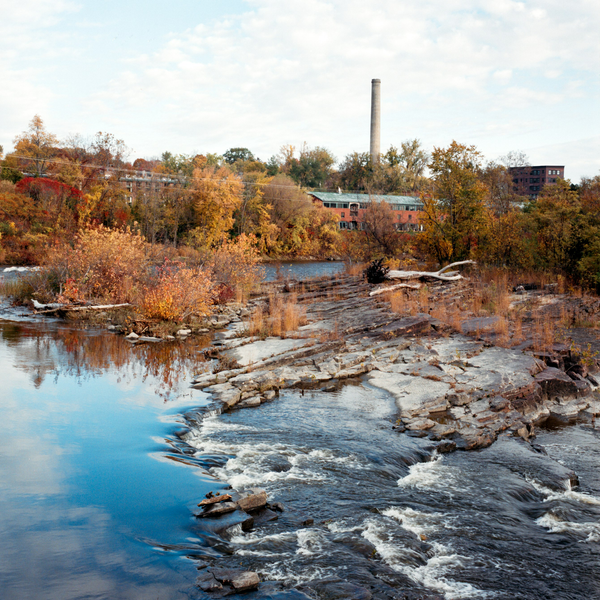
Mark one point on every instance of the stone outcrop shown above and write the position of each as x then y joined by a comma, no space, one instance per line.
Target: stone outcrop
447,386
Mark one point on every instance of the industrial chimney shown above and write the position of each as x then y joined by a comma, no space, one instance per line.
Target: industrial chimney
375,118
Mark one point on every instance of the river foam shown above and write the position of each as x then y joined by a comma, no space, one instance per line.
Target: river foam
432,572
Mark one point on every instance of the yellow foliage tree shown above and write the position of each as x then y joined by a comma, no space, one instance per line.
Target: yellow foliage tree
454,214
217,194
35,148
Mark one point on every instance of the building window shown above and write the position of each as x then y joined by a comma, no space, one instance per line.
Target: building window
343,225
343,215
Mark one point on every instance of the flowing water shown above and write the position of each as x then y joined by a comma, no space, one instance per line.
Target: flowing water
105,452
496,523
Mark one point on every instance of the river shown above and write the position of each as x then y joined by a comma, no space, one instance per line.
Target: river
105,452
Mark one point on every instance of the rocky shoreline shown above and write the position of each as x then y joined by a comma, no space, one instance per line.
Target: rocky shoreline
458,389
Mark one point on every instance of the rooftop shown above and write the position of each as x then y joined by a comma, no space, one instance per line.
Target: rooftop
334,197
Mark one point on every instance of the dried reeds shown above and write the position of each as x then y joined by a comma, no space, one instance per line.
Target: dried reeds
281,315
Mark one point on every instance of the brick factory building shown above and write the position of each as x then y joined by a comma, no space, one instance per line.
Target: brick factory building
351,208
529,181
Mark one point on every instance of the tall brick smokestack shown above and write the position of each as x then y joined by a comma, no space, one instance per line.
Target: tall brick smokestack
375,118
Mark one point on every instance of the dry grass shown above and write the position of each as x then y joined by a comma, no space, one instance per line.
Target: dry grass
517,337
501,330
490,293
544,334
398,302
278,318
354,268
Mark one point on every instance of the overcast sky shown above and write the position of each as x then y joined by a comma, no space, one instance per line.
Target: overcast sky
203,76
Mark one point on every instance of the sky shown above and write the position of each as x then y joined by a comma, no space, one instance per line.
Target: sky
199,76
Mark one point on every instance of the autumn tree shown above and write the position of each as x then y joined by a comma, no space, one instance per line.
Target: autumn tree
35,148
313,166
589,192
500,196
411,161
253,216
381,236
454,214
290,210
310,169
355,172
563,229
234,154
217,194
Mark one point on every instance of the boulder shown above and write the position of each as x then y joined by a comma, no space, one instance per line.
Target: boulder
419,424
252,500
214,510
208,583
215,500
251,402
556,384
441,430
471,439
240,581
446,446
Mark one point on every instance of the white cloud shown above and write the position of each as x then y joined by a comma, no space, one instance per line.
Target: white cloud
301,70
28,40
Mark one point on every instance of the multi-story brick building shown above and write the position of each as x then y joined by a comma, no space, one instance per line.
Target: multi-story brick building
529,181
351,208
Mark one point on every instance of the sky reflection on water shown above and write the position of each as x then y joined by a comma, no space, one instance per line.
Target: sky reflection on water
83,418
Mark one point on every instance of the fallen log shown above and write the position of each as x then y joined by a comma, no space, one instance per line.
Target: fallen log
442,275
451,276
41,309
391,288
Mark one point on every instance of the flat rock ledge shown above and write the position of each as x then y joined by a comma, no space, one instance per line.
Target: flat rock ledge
454,389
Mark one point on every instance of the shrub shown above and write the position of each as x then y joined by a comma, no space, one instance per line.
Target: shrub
236,265
376,272
103,264
179,292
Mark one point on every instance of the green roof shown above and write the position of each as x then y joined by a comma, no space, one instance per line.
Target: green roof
333,197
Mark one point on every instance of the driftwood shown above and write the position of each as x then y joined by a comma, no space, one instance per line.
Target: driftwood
391,288
442,275
42,309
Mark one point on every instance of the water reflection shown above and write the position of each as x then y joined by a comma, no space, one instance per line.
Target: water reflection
60,350
87,493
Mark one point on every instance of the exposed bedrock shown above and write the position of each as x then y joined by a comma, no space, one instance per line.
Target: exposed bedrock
448,386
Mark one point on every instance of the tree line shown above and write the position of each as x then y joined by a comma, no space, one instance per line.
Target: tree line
50,189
